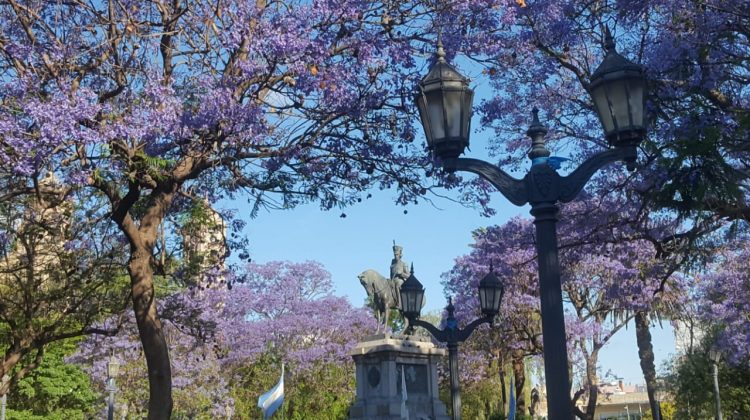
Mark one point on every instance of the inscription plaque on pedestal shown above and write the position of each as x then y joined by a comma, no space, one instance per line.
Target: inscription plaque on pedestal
415,377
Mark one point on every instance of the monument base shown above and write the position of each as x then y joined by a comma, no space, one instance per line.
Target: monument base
380,361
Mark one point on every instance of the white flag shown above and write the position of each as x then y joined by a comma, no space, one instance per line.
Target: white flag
404,410
272,400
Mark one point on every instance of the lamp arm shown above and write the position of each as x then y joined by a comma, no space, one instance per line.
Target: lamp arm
576,180
438,334
513,189
465,332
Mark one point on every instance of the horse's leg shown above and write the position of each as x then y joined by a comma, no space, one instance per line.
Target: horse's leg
387,313
379,317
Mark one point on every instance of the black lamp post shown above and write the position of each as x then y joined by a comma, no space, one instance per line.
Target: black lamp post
490,294
113,369
714,356
618,91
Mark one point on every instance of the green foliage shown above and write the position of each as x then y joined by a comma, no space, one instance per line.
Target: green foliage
55,390
690,382
480,400
325,392
701,176
153,165
199,216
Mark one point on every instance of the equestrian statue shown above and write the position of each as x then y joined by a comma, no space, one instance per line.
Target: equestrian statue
385,294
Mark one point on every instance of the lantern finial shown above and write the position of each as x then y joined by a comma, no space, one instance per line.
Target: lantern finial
609,40
440,51
537,131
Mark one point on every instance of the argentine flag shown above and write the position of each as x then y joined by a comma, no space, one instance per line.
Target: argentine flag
404,409
512,405
272,400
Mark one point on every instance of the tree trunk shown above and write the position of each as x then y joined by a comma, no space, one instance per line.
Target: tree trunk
519,373
646,356
150,331
592,381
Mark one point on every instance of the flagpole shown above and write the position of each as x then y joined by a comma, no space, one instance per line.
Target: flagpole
283,402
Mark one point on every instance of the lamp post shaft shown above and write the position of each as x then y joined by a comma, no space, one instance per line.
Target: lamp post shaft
553,321
717,398
3,401
455,387
111,399
452,336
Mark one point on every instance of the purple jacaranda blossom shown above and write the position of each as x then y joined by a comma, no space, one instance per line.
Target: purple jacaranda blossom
724,301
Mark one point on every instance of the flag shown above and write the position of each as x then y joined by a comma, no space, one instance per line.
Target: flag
272,400
404,410
512,405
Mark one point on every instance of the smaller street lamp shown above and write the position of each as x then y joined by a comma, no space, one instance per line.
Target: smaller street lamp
491,292
113,369
714,355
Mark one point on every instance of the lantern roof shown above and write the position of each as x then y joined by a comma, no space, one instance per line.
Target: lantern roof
490,279
411,282
614,62
442,71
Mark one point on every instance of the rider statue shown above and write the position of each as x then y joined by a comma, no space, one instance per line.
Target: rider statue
399,271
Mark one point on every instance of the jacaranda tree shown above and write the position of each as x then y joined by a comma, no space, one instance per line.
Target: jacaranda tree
151,105
61,271
278,312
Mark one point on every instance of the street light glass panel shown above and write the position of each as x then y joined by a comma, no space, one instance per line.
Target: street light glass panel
412,296
434,101
619,103
714,355
113,367
491,292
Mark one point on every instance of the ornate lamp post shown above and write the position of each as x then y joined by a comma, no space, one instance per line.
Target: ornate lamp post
714,355
618,91
113,369
491,292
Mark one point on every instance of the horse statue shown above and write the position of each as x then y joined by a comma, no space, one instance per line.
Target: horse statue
384,295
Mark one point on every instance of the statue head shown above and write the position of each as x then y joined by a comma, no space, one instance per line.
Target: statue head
397,251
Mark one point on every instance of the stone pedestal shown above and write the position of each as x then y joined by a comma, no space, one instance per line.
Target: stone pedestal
379,361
